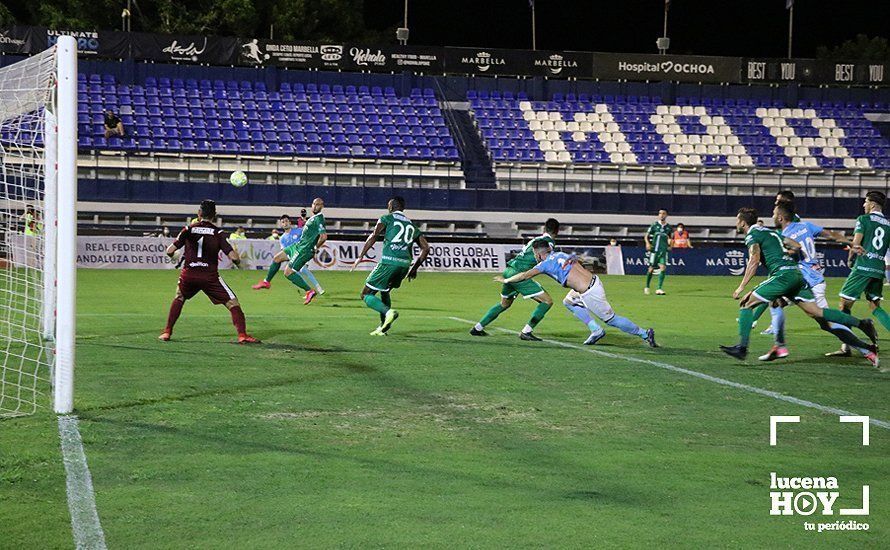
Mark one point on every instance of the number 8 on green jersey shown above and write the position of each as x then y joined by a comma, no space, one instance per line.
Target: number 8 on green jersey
867,274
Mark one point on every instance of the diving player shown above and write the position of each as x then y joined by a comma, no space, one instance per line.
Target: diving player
567,271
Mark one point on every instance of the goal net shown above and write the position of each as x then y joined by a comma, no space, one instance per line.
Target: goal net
38,134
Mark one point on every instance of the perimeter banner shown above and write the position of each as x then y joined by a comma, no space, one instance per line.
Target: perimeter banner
678,68
212,50
148,253
721,261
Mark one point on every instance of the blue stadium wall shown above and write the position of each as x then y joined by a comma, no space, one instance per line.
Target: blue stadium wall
449,199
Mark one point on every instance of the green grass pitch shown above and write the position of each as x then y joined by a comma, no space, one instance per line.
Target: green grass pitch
327,437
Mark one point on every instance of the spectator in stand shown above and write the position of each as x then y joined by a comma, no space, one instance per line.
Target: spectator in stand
29,216
238,235
274,236
32,228
301,221
114,126
681,237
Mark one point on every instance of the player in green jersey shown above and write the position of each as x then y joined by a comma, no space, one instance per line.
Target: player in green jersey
399,235
313,237
785,281
529,289
658,241
871,241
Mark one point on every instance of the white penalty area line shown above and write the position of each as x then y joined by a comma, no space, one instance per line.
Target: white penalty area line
722,381
85,524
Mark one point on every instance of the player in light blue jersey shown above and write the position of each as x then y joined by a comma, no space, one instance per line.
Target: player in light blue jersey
289,239
568,271
805,234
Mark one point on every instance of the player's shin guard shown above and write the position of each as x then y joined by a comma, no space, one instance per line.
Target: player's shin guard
308,276
376,304
538,314
273,270
882,317
238,320
746,320
648,278
584,316
492,314
626,325
175,311
297,280
661,277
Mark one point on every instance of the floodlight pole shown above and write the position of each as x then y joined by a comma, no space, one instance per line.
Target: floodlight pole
790,27
665,32
534,33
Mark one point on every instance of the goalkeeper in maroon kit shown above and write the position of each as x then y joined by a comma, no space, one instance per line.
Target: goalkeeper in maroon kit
203,242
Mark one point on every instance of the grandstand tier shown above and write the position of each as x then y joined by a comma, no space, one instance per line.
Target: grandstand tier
204,116
692,133
325,120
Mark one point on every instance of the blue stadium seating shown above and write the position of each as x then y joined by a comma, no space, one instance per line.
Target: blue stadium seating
243,118
618,130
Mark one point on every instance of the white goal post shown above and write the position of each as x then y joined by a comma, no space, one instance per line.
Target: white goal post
38,231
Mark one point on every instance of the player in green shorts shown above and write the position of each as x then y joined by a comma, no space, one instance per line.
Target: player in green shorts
529,289
871,241
785,281
658,242
314,236
399,236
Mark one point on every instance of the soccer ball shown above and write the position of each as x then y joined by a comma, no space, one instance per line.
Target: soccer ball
238,178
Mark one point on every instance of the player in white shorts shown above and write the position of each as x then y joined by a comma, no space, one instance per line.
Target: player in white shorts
587,290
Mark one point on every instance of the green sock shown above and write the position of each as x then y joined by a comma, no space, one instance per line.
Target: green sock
539,314
661,277
384,297
746,319
648,278
297,280
273,269
882,316
759,309
492,314
375,303
839,317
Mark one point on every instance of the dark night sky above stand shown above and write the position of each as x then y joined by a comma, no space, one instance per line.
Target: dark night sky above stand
707,27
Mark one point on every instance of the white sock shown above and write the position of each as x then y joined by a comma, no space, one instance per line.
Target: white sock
526,329
479,327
